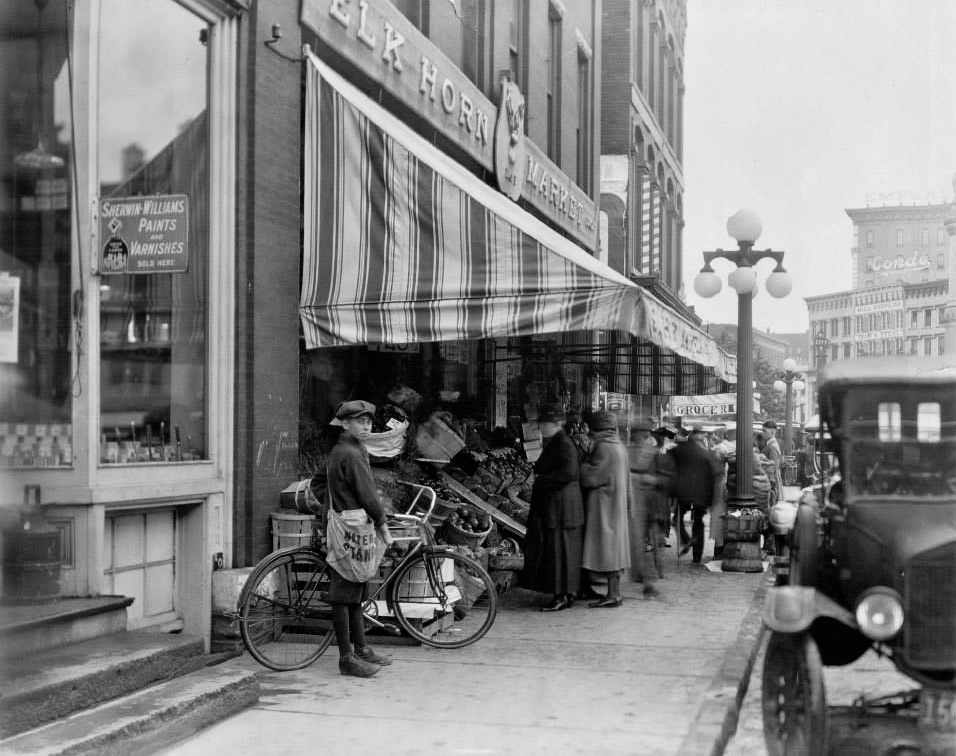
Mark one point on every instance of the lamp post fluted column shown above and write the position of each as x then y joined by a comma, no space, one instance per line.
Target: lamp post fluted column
790,381
745,227
745,402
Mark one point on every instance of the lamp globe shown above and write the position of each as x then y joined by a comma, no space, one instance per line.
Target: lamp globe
744,226
742,280
779,284
707,283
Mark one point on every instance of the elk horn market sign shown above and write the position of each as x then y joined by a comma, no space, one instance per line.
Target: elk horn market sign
146,234
384,45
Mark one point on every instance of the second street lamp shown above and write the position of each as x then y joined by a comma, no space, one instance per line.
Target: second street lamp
790,382
745,227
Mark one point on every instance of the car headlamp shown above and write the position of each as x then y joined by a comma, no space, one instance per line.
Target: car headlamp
879,613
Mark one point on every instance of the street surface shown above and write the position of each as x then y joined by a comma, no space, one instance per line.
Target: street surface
869,674
630,680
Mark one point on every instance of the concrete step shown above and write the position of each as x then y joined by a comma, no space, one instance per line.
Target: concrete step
31,628
59,681
146,721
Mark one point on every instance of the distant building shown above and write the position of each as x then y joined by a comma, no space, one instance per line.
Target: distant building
642,124
902,263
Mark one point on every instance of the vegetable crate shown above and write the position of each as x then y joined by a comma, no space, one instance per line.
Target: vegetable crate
746,527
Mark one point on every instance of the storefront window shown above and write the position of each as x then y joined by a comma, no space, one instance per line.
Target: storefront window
153,232
36,226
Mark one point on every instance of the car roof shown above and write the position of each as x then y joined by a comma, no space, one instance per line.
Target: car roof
840,376
881,370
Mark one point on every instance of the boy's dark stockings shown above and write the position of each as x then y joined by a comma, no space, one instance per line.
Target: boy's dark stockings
349,624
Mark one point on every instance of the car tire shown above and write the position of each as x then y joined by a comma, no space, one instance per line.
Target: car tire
793,699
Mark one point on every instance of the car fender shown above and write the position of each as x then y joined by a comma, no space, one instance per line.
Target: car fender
793,608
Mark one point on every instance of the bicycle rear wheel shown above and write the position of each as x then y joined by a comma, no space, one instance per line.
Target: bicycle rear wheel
443,599
284,616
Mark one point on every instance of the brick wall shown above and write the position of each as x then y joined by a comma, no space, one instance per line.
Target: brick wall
267,279
616,82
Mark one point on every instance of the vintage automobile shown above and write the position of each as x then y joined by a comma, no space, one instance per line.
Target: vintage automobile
872,561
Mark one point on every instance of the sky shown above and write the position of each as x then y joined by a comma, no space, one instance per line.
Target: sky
799,109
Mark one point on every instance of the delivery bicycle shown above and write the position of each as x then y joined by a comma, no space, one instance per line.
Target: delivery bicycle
435,594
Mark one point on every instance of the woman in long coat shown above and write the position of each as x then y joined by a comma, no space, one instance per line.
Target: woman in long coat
554,534
604,477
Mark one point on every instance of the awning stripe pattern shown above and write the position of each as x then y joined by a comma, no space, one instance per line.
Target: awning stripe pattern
403,245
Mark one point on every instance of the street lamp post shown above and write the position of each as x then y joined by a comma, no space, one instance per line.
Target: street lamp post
745,228
791,381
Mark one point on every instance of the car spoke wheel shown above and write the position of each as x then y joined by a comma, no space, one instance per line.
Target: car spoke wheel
794,702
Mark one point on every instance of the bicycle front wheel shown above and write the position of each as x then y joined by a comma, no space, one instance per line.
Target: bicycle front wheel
443,599
284,615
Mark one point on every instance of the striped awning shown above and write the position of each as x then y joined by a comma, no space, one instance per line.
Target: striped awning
403,245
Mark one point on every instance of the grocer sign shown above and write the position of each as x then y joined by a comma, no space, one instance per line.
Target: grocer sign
144,234
704,405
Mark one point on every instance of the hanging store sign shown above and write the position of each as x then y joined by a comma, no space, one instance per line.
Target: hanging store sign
705,405
379,40
144,234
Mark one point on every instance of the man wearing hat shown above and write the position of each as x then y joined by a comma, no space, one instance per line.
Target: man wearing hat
696,476
351,490
771,450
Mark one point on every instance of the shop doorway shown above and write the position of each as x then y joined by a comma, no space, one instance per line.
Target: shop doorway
141,551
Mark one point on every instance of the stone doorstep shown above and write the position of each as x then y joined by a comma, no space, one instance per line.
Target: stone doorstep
59,681
146,721
32,628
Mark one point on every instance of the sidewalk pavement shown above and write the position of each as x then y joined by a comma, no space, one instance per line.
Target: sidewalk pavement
654,676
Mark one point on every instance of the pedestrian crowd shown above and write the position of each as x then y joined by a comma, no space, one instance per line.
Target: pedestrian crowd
604,508
600,507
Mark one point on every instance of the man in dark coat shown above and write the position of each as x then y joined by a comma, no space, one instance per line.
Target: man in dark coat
556,519
696,472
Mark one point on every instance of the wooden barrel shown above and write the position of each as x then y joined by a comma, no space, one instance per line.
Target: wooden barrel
291,529
741,556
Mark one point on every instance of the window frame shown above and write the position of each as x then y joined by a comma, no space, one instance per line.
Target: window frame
222,45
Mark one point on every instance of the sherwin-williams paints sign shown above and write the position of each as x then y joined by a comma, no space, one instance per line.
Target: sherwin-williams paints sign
144,234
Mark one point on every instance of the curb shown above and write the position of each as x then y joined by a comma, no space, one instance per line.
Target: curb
716,719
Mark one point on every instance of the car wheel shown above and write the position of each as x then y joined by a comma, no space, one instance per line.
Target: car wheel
804,549
794,701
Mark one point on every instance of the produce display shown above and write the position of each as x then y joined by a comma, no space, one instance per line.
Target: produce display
470,520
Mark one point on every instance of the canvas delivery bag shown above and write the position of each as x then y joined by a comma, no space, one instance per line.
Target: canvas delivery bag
354,548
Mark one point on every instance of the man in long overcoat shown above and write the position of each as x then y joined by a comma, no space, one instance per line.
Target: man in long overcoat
604,477
556,519
696,475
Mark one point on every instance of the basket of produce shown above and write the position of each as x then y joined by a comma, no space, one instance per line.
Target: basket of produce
506,556
465,527
744,524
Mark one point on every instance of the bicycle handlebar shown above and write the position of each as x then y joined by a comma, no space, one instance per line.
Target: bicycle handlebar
429,491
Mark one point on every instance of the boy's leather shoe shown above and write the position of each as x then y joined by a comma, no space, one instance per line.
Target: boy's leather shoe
354,667
368,655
